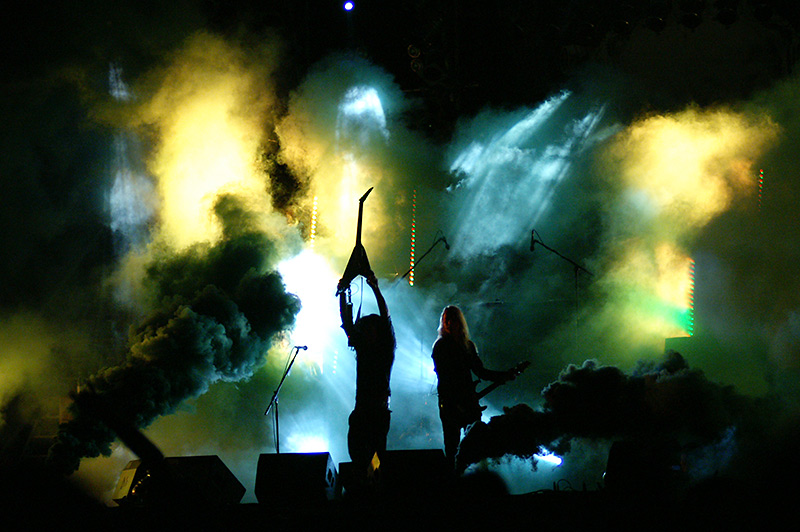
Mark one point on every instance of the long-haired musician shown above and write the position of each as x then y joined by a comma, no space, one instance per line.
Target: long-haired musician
372,338
455,360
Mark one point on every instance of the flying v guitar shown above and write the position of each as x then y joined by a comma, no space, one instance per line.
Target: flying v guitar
358,263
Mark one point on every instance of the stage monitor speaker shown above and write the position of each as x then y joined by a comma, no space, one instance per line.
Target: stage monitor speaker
418,472
295,478
194,480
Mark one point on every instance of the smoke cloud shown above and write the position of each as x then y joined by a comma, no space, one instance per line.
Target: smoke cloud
665,401
714,431
221,313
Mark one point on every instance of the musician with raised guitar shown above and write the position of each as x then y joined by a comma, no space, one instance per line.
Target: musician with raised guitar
455,360
372,338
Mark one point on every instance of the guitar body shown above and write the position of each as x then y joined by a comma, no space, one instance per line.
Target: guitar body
469,410
358,264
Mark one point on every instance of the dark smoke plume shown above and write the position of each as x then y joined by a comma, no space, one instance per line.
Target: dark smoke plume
222,305
664,401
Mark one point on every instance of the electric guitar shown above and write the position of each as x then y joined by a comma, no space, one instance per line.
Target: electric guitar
358,264
470,411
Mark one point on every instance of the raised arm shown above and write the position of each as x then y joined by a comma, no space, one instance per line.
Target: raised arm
372,281
346,312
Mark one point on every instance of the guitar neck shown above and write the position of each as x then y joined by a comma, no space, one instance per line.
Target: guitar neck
519,368
360,213
358,226
490,388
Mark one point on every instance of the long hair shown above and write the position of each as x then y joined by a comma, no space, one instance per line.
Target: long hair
452,323
376,331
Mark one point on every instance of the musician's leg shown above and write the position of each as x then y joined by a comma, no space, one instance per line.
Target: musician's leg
451,431
358,440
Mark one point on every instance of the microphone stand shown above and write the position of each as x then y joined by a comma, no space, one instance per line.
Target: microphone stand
578,268
274,400
440,239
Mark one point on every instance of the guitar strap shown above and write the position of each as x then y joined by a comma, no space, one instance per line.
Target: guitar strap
360,301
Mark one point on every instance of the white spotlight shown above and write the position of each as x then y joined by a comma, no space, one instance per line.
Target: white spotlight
549,457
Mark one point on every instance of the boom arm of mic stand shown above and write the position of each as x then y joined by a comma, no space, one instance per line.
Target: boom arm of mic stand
440,239
283,378
575,264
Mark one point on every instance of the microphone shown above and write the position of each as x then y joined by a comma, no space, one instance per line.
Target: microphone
303,347
533,238
446,245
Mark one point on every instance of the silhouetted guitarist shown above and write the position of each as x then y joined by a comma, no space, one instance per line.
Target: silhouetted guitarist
372,338
455,360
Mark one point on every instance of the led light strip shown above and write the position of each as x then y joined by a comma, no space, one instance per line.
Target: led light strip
413,236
